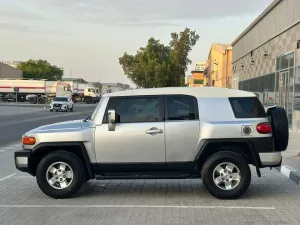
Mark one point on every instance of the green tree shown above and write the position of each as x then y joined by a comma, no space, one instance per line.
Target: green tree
40,69
157,65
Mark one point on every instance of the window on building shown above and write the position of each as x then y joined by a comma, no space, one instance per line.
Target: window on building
298,44
198,81
182,108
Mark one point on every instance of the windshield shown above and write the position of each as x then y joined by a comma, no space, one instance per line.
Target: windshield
95,111
60,99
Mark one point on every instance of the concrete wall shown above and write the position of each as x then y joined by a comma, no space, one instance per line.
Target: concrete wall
9,72
280,45
281,15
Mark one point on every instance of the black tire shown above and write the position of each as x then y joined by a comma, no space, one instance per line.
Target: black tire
88,100
222,157
51,110
41,100
60,156
71,110
280,127
32,100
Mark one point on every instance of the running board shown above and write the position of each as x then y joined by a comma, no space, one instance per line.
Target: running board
145,176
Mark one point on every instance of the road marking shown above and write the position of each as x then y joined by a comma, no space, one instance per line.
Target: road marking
7,177
2,150
138,206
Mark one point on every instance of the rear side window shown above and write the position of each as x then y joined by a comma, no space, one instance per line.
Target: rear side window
249,107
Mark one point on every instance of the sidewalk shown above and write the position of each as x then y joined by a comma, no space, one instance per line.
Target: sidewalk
291,158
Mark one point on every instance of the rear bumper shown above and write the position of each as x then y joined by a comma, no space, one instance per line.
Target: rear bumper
270,159
22,160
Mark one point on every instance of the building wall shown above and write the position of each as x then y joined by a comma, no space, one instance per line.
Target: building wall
9,72
282,15
280,45
219,67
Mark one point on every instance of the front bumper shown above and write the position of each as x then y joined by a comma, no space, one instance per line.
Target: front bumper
60,107
22,161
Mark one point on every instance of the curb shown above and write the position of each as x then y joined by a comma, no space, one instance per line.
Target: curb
290,173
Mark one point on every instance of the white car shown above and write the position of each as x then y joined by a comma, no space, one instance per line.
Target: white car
61,103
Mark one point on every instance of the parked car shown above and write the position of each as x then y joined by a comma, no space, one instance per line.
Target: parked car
61,103
209,133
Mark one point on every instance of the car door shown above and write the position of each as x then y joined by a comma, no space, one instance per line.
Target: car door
139,133
182,127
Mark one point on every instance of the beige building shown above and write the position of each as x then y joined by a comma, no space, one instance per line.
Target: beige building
218,69
266,58
9,72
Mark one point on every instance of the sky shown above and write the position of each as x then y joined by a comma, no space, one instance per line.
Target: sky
86,37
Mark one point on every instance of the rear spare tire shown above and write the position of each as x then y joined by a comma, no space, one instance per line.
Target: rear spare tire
226,175
280,127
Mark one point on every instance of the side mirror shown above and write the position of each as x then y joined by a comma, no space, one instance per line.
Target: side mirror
111,120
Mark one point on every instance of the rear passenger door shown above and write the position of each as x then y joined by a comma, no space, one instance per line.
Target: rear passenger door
182,127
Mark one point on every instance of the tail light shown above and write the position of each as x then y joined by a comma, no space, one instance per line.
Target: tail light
264,128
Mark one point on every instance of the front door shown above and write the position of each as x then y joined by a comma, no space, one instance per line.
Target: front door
139,136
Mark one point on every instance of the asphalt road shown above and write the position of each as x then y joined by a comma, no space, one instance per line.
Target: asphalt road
15,121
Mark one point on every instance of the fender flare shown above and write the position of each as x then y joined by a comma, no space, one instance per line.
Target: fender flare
206,143
60,145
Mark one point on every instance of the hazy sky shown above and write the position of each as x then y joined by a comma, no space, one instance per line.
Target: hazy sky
90,35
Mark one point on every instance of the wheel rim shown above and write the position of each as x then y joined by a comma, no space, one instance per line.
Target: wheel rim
226,176
59,175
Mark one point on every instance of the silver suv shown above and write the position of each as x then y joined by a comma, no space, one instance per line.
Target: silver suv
166,133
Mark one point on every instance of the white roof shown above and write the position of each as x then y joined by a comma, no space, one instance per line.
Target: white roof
199,92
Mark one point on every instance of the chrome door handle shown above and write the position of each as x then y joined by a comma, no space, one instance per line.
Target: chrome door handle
154,131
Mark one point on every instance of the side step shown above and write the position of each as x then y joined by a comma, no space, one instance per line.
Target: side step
145,176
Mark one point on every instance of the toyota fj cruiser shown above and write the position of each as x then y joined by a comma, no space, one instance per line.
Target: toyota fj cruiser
168,133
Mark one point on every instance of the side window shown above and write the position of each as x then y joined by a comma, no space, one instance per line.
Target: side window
247,107
182,108
135,109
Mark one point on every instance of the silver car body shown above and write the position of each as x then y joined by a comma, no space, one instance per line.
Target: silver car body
179,141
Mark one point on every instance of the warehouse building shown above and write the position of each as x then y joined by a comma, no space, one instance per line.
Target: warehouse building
266,58
7,71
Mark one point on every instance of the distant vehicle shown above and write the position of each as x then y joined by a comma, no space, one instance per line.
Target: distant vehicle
85,92
34,91
61,103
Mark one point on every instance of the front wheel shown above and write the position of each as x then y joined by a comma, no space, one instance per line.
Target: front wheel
226,175
60,174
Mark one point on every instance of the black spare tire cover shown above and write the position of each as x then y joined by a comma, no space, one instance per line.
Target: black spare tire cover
280,127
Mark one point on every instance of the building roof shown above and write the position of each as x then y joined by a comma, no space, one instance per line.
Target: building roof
74,79
257,20
199,92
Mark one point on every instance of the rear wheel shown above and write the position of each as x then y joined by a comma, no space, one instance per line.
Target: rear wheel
60,174
88,100
32,100
41,100
226,175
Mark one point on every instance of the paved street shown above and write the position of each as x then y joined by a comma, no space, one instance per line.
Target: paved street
15,121
271,199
